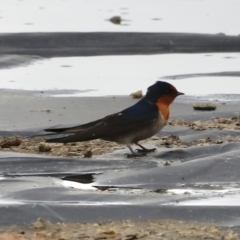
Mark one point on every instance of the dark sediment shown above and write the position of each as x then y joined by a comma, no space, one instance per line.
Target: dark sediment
103,43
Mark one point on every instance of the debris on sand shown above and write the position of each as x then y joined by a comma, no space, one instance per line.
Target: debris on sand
204,106
8,142
216,122
126,229
98,147
73,150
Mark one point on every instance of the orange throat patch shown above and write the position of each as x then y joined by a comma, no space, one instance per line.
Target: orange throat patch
163,105
164,110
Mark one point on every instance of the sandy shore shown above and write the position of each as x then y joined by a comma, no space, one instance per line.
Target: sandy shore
27,113
188,132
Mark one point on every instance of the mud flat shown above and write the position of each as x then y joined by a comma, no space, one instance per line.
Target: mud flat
107,43
193,175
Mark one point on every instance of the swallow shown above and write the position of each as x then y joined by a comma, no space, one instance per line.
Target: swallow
138,122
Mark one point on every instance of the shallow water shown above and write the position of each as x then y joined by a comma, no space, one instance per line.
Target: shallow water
122,75
119,75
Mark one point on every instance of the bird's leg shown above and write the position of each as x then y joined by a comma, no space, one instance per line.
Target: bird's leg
133,155
145,150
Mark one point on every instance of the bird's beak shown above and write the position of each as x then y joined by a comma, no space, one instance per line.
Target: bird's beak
180,93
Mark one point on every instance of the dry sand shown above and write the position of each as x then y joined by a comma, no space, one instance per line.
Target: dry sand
127,230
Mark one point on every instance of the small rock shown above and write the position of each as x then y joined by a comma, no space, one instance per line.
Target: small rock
88,154
43,147
161,190
8,142
167,163
204,106
116,20
39,224
137,94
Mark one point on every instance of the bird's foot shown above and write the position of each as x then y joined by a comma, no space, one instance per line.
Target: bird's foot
135,155
146,150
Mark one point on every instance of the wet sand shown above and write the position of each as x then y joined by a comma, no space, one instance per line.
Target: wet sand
26,114
29,110
189,135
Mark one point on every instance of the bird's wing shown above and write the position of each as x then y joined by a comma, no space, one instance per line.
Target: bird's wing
74,129
131,119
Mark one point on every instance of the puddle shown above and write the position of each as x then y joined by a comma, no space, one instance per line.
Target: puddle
34,77
224,200
203,192
197,75
10,202
77,185
83,178
84,181
224,197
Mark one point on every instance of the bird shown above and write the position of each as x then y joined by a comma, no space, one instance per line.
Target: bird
138,122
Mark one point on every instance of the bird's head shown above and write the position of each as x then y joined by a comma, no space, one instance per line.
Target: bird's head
162,92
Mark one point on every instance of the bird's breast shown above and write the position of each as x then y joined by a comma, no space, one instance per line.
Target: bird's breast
163,110
161,121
